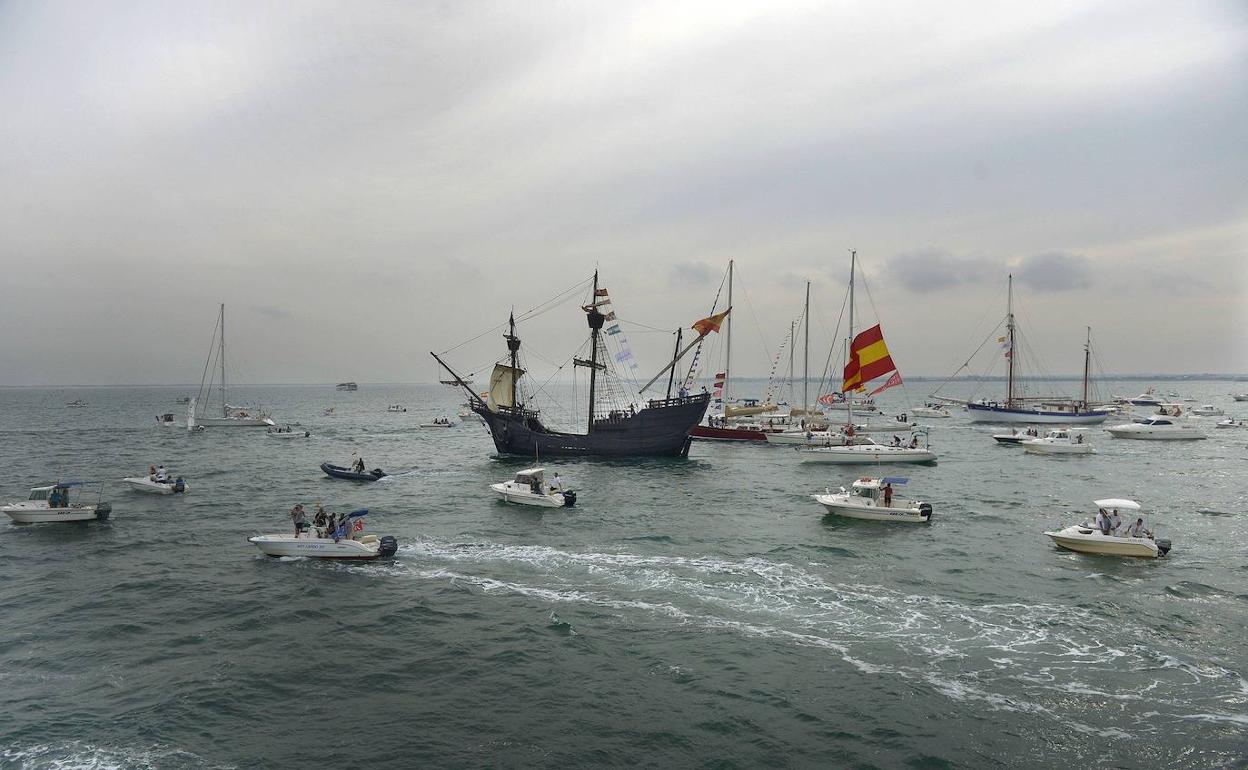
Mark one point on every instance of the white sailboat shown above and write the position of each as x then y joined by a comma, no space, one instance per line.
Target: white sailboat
231,416
867,358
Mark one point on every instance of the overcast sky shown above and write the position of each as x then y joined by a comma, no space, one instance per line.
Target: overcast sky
361,183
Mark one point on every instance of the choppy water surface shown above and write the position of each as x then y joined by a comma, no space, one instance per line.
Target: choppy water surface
686,613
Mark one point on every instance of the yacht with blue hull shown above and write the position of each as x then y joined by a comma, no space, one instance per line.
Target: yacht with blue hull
658,427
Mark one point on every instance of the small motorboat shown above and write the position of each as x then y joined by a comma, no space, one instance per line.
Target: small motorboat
931,410
167,420
1155,428
339,472
1207,410
60,502
396,408
467,415
1240,396
1014,437
347,386
77,403
865,500
529,488
287,432
1085,538
439,422
1065,441
183,400
1147,398
1231,423
352,545
152,486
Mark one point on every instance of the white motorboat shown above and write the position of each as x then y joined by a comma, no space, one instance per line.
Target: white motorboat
1014,437
1207,410
931,410
60,502
167,420
1085,538
231,416
1231,423
352,544
347,386
1147,398
152,486
529,488
440,422
866,453
1155,428
287,432
1059,442
77,403
1240,396
396,408
865,499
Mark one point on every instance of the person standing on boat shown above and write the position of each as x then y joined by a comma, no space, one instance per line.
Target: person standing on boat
321,520
1102,521
358,465
888,495
300,518
1115,522
556,483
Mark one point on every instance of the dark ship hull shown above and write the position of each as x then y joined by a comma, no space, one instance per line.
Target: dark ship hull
660,430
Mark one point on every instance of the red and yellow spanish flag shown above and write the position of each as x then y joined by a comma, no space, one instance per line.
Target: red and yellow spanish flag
868,359
710,324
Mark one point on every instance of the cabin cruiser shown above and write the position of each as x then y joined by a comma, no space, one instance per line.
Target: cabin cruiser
1155,428
931,411
157,482
287,432
347,542
60,502
1015,437
867,453
1231,423
1086,538
529,488
1207,410
869,498
1147,398
1059,442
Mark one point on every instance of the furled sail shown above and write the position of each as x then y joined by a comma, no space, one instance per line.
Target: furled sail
746,411
502,386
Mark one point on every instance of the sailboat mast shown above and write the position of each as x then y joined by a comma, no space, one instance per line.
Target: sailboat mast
513,345
849,397
792,341
806,357
728,343
671,377
1087,365
225,410
595,326
1009,325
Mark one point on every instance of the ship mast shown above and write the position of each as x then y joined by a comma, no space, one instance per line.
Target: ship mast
513,345
849,398
595,320
1009,325
727,345
671,377
1087,365
806,358
225,410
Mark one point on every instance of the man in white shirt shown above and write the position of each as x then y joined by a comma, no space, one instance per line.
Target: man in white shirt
1115,522
1102,521
1137,529
162,475
556,483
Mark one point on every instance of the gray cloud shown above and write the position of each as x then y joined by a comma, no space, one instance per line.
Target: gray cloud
932,269
692,274
1054,272
272,311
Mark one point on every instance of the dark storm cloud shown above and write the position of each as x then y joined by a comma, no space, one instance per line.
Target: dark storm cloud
1054,272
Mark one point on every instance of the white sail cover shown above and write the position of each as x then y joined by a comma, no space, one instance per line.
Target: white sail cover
501,380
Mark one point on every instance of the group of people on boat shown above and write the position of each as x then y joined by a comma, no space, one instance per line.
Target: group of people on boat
327,524
897,442
58,498
1032,432
288,429
556,485
1111,524
159,475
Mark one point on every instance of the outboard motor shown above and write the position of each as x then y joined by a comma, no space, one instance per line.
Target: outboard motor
389,546
378,472
925,510
1163,546
179,485
569,499
103,509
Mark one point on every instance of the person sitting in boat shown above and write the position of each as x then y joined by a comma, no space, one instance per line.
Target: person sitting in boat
54,499
300,519
556,483
1137,529
358,465
320,520
1102,521
914,442
151,472
162,476
1115,522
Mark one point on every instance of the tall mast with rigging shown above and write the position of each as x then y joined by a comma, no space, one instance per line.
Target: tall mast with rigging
595,320
728,345
513,346
806,357
1087,365
849,398
225,409
1009,325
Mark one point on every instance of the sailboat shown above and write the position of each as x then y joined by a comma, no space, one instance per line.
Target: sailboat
1018,409
658,428
725,426
231,416
867,359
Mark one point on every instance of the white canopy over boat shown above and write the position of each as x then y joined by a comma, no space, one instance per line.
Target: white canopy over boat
1087,538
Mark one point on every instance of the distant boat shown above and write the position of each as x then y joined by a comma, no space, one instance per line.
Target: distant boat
77,403
347,386
658,428
231,416
454,384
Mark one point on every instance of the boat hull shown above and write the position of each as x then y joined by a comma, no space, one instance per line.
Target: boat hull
1001,414
867,455
1090,541
510,493
39,513
901,511
146,485
367,549
339,472
1042,448
1178,434
235,422
659,430
714,433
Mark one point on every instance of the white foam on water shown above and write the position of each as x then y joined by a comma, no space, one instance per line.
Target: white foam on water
79,755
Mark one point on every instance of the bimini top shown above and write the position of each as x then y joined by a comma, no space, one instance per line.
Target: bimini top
68,485
357,514
1118,502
